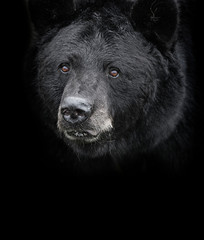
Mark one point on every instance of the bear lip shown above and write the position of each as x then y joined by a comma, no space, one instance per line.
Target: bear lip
87,136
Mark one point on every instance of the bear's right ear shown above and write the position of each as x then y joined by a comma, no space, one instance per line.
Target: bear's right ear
48,13
157,20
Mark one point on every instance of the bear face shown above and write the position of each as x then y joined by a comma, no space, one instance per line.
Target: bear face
111,82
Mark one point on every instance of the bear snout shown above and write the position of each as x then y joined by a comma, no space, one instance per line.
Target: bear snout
75,110
80,119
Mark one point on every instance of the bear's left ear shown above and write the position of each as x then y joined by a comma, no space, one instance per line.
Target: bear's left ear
157,20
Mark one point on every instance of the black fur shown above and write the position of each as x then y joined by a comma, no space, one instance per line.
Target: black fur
150,103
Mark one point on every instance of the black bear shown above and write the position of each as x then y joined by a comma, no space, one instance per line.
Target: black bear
113,81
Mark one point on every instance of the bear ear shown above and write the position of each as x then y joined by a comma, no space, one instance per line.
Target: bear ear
46,13
157,20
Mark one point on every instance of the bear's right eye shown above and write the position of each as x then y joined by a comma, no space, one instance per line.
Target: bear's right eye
64,68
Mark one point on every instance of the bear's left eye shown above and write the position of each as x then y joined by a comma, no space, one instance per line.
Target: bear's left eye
114,73
64,68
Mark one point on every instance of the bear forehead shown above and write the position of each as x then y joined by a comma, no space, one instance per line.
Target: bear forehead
87,37
95,27
99,38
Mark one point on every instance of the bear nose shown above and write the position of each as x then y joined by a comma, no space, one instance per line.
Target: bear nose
75,110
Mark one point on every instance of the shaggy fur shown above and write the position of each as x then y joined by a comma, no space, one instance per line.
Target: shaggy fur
142,115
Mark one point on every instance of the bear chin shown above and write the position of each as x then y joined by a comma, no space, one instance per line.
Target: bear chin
92,150
89,146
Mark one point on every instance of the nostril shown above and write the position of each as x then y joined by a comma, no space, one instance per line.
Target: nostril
65,112
80,112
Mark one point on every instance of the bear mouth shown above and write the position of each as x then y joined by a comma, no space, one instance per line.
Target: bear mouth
83,136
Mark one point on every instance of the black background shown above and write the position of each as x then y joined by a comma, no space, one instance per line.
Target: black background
20,135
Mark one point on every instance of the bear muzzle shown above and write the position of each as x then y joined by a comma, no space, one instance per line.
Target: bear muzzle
79,119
